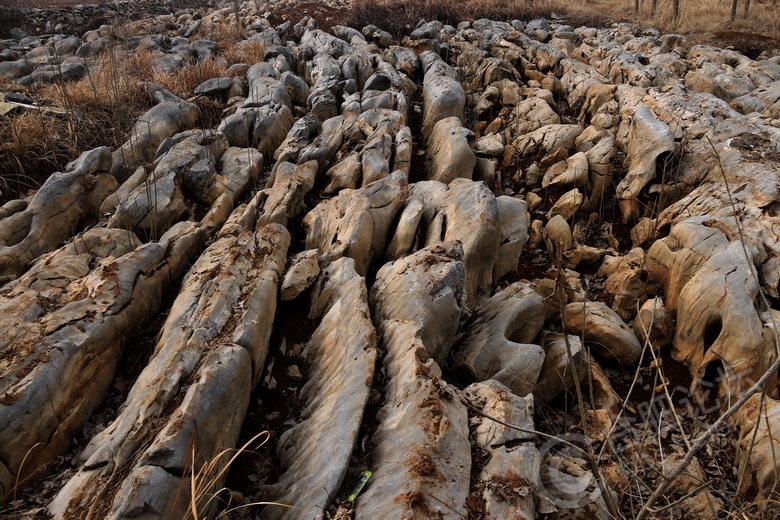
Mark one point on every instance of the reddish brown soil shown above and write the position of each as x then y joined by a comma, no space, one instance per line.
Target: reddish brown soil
748,43
50,4
326,16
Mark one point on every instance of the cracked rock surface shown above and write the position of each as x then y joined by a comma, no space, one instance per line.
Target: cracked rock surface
404,259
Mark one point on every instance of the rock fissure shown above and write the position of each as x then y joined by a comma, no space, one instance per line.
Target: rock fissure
416,204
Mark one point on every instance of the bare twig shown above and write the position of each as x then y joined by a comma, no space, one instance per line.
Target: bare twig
701,441
591,455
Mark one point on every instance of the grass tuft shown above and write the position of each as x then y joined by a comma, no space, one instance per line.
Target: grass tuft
705,16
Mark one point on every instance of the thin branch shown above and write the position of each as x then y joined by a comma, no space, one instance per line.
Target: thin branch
758,386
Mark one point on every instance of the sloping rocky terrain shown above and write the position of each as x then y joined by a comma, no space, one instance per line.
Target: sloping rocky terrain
508,269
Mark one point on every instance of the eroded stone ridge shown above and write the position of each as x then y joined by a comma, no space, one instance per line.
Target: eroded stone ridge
512,208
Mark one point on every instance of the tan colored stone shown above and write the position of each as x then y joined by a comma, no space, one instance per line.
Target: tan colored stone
609,337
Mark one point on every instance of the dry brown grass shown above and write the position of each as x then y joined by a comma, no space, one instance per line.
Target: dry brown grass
101,109
183,81
246,51
31,144
400,18
695,16
232,46
103,105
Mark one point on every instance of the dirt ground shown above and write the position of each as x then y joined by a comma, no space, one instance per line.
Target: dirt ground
277,409
49,4
749,43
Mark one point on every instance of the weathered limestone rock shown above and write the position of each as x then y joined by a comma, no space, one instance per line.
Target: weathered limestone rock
596,96
426,287
497,344
600,172
654,323
577,80
626,281
265,87
381,97
300,135
67,320
345,174
361,144
648,139
557,237
203,343
765,100
757,450
703,503
571,172
512,474
498,401
263,128
511,93
341,356
288,185
465,211
403,59
567,205
485,171
546,140
452,242
187,170
380,37
566,480
55,212
322,42
356,223
15,69
491,145
347,33
69,69
326,77
674,260
324,147
492,70
732,84
406,239
546,57
585,254
297,88
450,154
422,455
604,396
512,477
214,86
559,372
239,169
564,285
513,222
375,159
403,151
708,281
487,101
427,30
301,274
170,116
610,338
443,95
238,127
532,114
201,418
